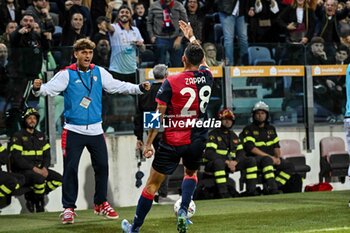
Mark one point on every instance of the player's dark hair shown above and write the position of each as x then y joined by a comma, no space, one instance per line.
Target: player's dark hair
194,54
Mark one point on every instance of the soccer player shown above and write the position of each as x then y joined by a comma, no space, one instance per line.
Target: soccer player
183,97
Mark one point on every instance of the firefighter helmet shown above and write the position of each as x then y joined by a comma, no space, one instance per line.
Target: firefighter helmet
227,114
30,111
261,106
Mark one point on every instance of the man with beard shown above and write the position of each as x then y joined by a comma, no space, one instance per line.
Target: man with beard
30,156
260,141
125,40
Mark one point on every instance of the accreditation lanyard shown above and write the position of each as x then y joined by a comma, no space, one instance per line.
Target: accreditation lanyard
91,83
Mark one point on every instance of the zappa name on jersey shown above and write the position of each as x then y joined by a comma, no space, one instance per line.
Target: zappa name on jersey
195,80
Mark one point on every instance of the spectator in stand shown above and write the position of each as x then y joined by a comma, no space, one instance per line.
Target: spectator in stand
328,19
75,6
232,17
163,29
73,32
263,22
125,40
297,21
140,20
41,15
9,11
5,37
4,79
324,87
196,18
210,54
317,54
104,25
27,48
102,54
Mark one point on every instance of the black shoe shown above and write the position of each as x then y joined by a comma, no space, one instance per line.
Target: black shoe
40,204
39,207
30,206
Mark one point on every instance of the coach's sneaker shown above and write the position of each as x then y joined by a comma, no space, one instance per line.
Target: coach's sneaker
181,221
67,216
106,210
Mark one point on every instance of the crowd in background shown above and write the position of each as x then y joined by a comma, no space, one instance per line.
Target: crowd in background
37,35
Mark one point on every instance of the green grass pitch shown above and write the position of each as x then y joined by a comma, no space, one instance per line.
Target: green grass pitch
300,212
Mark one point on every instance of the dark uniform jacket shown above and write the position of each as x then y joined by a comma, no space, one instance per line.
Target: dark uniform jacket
264,138
224,143
3,156
29,150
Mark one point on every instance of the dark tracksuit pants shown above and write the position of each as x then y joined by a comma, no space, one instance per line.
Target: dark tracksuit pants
73,145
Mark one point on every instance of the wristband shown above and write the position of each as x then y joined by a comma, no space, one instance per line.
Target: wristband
193,38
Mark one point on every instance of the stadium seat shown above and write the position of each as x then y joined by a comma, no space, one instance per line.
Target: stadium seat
218,34
259,55
290,151
334,159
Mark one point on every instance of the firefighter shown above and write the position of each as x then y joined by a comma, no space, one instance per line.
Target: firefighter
260,141
30,156
9,182
224,154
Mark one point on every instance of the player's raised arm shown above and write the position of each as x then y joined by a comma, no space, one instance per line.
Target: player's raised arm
187,30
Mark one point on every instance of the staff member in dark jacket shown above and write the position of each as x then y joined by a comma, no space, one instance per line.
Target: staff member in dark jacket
147,103
30,156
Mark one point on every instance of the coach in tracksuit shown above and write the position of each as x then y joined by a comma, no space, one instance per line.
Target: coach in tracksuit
82,84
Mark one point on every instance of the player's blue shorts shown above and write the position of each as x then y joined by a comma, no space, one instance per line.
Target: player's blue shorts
167,157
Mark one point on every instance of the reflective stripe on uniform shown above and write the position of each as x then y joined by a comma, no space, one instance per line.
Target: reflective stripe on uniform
5,189
251,176
232,154
284,175
240,147
221,180
2,148
280,180
53,184
252,169
39,188
269,175
267,169
268,143
220,173
211,145
222,152
16,147
47,146
249,138
32,152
